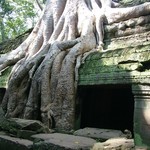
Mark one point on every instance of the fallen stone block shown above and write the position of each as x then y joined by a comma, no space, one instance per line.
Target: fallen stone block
61,142
13,125
25,134
33,125
115,144
99,134
12,143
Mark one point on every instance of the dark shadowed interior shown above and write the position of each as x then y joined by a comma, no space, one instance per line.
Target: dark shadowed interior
109,107
2,92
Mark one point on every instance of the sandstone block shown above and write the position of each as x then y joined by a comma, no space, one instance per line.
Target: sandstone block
62,142
100,134
12,143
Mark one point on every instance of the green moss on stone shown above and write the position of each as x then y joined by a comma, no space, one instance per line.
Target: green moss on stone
138,140
8,126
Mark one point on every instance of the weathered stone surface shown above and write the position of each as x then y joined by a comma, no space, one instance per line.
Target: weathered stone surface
7,125
1,112
32,125
116,67
141,148
115,144
62,142
100,134
125,58
11,143
22,127
141,115
25,134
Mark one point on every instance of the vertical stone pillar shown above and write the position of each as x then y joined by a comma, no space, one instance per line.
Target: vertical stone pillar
141,115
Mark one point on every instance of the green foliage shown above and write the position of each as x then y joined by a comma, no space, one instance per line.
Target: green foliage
16,16
4,77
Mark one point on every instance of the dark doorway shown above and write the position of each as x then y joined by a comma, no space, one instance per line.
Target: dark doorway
109,107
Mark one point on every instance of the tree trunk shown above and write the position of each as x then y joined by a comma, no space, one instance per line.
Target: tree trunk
3,37
43,81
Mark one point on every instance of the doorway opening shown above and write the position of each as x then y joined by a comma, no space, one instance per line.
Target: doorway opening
107,106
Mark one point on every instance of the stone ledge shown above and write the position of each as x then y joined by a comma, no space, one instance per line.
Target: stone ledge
99,134
115,144
62,142
7,142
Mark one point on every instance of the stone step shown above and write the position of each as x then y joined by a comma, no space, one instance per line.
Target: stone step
116,144
12,143
61,141
99,134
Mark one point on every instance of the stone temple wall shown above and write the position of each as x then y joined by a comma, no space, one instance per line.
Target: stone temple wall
125,60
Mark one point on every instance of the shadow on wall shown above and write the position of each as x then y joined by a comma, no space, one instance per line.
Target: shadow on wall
2,92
